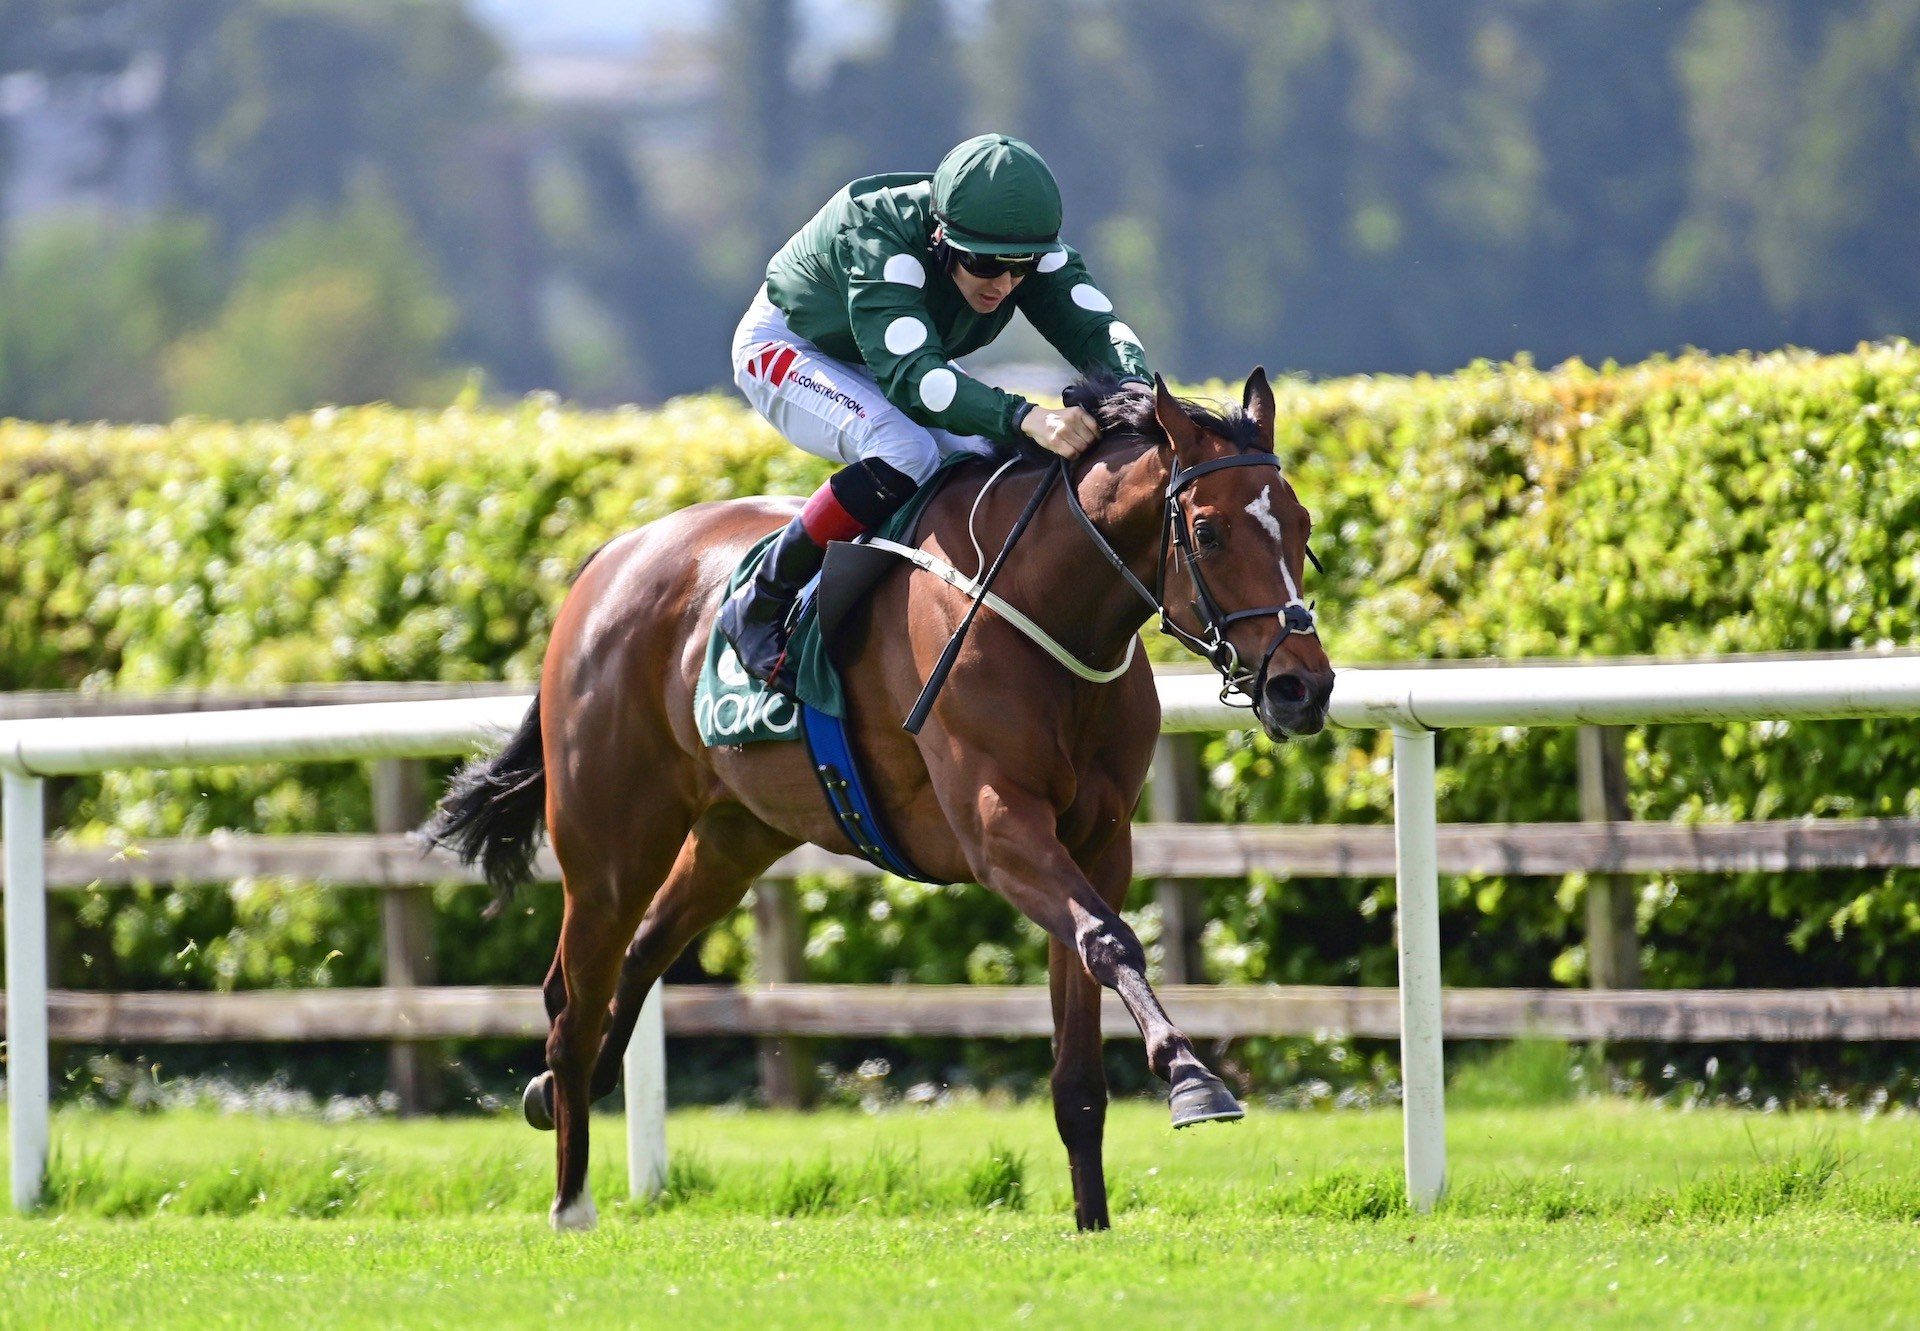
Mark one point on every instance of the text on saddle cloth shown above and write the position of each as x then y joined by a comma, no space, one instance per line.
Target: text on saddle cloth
731,707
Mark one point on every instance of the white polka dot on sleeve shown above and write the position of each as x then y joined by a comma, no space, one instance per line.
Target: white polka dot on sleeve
1090,297
905,270
937,388
905,334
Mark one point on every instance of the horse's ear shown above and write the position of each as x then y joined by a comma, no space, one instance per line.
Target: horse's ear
1181,431
1257,399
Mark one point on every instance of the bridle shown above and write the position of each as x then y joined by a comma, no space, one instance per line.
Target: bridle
1296,616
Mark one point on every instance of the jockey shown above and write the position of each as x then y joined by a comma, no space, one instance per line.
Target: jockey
847,351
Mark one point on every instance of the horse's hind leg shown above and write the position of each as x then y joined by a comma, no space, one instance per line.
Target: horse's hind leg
605,901
727,849
537,1102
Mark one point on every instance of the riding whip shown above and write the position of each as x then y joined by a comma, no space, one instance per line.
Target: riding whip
944,666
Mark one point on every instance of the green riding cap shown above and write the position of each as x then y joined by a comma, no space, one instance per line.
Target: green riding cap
994,195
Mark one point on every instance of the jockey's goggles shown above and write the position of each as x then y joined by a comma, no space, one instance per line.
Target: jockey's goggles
995,265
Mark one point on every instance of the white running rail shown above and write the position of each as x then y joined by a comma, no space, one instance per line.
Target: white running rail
1411,702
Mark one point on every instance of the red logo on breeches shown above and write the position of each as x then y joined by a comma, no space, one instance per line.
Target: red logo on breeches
771,362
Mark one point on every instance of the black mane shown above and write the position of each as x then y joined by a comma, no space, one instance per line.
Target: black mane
1127,409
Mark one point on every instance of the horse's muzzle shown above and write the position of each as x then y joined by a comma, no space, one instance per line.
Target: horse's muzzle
1295,703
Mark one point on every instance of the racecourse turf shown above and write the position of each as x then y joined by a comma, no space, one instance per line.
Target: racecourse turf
1599,1213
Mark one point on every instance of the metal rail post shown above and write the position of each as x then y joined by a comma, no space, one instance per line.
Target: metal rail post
1422,1063
23,823
644,1075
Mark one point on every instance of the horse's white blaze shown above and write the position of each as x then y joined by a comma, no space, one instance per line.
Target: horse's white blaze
1261,511
580,1214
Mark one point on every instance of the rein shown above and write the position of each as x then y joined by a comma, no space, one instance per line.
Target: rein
1236,677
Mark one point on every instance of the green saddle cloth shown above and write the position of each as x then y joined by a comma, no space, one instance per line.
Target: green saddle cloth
732,707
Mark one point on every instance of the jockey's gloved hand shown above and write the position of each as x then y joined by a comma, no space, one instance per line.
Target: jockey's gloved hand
1067,432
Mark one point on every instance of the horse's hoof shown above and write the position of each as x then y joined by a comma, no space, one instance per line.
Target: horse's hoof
537,1102
1203,1098
577,1216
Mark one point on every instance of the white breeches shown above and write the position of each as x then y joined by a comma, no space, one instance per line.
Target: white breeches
829,408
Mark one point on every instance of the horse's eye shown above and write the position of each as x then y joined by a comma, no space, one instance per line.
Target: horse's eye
1206,535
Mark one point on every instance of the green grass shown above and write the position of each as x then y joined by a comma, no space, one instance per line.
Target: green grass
1599,1213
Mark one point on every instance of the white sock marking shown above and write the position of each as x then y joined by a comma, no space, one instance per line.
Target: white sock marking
580,1215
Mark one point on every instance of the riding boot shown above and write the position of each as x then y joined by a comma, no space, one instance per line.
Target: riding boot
756,618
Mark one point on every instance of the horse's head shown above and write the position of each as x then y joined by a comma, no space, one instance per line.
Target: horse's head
1234,572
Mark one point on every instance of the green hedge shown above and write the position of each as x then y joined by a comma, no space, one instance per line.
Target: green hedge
1692,505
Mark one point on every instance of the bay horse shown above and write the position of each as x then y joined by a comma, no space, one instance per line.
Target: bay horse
1023,779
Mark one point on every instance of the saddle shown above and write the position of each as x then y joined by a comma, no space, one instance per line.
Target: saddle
730,708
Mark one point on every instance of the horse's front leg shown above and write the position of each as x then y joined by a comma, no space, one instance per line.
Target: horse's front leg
1019,855
1079,1082
1079,1073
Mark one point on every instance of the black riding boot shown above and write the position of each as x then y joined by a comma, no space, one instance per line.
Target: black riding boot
755,618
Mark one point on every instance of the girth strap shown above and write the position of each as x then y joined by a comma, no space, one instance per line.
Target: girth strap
831,754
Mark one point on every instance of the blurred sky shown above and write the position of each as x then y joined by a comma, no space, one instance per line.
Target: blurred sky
621,26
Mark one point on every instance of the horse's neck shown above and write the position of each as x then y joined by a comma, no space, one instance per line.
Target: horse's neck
1123,491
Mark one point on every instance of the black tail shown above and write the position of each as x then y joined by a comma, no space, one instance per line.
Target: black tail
493,807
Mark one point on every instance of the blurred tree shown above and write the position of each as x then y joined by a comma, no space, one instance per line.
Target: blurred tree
87,310
291,104
1610,126
760,137
1322,185
293,101
641,274
1739,71
920,86
1188,71
329,308
1836,245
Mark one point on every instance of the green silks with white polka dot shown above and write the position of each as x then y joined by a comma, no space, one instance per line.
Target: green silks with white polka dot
859,282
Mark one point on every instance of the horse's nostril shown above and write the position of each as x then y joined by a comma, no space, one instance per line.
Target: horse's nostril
1290,689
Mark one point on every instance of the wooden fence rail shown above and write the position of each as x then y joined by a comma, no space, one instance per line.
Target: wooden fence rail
1161,850
906,1011
1173,852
